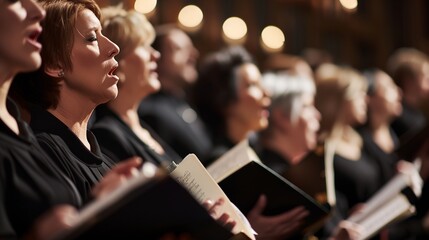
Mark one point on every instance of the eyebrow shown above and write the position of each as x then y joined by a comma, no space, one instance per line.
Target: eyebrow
89,30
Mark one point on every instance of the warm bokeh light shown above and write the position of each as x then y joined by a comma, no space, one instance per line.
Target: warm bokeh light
272,38
145,6
349,4
234,28
190,17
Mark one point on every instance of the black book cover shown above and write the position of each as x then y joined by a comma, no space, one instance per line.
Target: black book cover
149,211
310,175
245,185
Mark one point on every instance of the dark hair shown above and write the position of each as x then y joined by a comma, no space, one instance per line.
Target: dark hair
161,32
370,75
405,65
57,39
216,87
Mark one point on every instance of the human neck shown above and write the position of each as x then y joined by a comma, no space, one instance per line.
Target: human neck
75,115
127,111
9,120
171,86
236,131
284,146
380,132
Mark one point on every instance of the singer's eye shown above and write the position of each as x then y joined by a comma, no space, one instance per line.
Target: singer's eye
92,39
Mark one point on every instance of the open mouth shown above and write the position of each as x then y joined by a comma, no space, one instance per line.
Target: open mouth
111,73
33,38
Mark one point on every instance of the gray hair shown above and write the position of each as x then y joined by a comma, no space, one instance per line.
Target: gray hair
286,91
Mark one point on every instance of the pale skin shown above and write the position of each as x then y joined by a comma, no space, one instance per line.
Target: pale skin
177,66
249,113
139,79
383,106
294,138
20,52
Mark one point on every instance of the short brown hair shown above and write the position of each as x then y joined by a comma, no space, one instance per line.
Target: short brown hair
57,39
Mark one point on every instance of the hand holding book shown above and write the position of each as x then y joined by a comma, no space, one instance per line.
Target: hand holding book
279,226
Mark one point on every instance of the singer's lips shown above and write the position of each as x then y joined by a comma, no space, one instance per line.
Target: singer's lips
112,70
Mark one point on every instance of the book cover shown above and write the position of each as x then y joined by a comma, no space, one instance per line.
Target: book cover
147,208
244,180
314,175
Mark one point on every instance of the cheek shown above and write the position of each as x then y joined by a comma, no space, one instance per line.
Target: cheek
84,61
255,93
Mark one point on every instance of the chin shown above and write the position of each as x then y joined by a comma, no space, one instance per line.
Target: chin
31,64
112,94
263,123
155,85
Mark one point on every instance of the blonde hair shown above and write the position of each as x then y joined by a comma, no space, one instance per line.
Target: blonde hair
335,85
128,29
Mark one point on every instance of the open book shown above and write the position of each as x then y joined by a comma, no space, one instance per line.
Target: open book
147,207
244,178
314,174
393,202
193,175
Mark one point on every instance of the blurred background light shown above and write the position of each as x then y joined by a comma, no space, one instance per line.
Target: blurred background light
145,6
349,4
272,39
190,17
234,29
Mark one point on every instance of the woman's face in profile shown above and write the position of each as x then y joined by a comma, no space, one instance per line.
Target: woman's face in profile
20,27
387,96
251,107
355,107
308,123
140,69
93,63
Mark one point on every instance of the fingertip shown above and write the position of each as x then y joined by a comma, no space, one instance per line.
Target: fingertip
134,172
138,160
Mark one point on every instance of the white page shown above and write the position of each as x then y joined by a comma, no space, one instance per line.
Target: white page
396,208
193,176
229,162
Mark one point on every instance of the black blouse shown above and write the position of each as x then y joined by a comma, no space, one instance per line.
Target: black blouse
273,160
358,179
119,142
29,183
176,123
386,161
83,166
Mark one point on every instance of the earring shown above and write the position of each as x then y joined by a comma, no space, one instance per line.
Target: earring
61,73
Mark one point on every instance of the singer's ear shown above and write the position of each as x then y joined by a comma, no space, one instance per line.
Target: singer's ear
56,72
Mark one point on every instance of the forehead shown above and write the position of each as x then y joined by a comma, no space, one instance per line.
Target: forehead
86,21
176,38
249,72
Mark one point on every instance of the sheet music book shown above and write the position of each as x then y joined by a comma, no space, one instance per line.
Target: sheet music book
243,177
393,202
314,174
192,174
147,207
